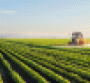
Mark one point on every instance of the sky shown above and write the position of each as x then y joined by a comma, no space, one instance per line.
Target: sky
44,18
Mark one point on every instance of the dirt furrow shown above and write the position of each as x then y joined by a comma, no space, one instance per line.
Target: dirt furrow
19,70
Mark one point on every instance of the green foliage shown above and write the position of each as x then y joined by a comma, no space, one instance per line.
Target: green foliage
1,80
15,76
31,72
54,63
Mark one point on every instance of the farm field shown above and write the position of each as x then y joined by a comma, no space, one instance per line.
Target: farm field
33,61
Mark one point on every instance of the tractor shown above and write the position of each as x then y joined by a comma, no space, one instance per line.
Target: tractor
76,37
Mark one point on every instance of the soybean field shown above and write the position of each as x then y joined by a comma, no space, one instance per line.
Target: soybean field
34,61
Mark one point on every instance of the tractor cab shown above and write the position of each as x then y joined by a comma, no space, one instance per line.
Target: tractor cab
76,36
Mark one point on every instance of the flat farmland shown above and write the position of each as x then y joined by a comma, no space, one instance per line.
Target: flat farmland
33,61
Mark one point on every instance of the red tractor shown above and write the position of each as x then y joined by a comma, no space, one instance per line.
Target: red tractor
76,36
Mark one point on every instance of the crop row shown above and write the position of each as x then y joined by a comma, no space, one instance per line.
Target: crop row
48,59
70,62
53,67
45,71
71,75
62,62
31,72
59,55
1,80
78,65
65,61
69,67
15,76
61,49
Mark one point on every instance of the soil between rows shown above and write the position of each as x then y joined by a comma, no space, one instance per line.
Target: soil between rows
53,81
19,70
23,74
15,67
47,77
5,74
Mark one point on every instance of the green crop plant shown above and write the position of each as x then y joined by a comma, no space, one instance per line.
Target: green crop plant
42,69
73,63
13,74
1,80
27,69
53,67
